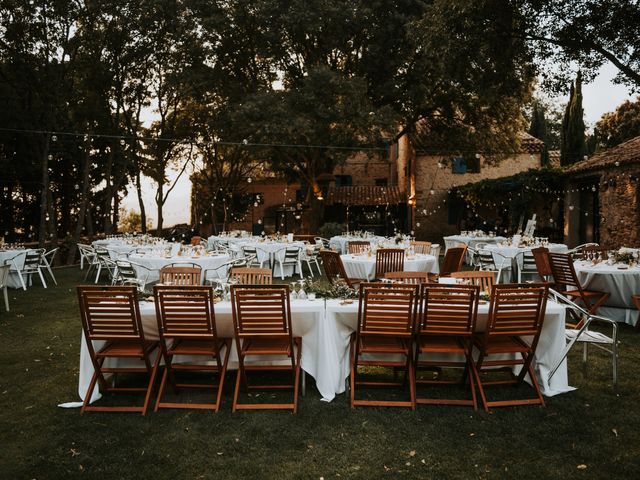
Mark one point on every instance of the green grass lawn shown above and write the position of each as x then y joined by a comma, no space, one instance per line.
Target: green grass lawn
589,433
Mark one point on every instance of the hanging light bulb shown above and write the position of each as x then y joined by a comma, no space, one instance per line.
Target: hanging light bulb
571,207
54,138
249,180
418,224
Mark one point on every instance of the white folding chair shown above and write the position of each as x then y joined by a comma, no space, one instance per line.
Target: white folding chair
46,260
129,273
87,253
4,279
25,264
588,337
311,256
289,256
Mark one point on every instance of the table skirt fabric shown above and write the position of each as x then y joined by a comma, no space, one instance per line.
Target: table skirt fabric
364,266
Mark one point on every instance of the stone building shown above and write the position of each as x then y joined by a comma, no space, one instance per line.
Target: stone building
602,199
431,179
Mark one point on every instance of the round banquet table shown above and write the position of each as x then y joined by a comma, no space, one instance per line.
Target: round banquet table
119,249
156,262
621,283
341,242
364,266
513,261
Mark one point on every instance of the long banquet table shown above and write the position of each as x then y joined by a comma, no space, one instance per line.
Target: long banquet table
325,327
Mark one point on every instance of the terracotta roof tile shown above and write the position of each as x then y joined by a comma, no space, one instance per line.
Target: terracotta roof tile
364,195
625,153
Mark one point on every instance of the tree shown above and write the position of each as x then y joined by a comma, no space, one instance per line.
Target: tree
621,125
583,32
572,147
538,128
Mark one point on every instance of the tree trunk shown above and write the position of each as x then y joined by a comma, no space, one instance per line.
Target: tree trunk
160,204
83,208
143,212
44,170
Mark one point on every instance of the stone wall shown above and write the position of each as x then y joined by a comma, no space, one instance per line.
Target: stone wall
365,170
620,208
434,178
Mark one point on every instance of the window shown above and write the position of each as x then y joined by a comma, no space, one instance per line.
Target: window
381,182
343,180
469,164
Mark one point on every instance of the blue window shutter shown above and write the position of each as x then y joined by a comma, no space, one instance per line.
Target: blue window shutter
459,165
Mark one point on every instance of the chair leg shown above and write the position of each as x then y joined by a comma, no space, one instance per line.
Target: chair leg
6,298
24,286
44,284
51,274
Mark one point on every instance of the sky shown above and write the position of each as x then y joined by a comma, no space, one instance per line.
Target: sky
599,97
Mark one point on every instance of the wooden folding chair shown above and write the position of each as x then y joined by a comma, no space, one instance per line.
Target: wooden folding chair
358,246
386,315
334,269
541,259
185,276
481,278
453,260
389,260
251,276
567,283
110,314
187,326
446,324
634,298
423,248
411,277
516,311
262,323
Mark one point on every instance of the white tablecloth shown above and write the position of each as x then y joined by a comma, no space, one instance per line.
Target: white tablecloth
620,283
119,249
306,321
364,266
230,240
455,240
14,281
343,318
155,263
513,260
325,327
341,242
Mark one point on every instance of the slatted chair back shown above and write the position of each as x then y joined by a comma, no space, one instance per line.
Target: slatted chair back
185,311
448,310
528,262
32,260
481,278
333,267
261,311
516,310
110,312
251,276
541,259
420,247
126,272
416,278
453,260
563,271
592,252
358,246
389,260
387,309
180,275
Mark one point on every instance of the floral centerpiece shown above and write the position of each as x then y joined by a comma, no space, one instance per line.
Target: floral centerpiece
628,256
322,290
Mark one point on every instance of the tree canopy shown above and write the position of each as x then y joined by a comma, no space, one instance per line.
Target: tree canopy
294,84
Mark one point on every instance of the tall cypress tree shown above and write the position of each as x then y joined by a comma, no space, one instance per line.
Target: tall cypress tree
538,129
572,142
